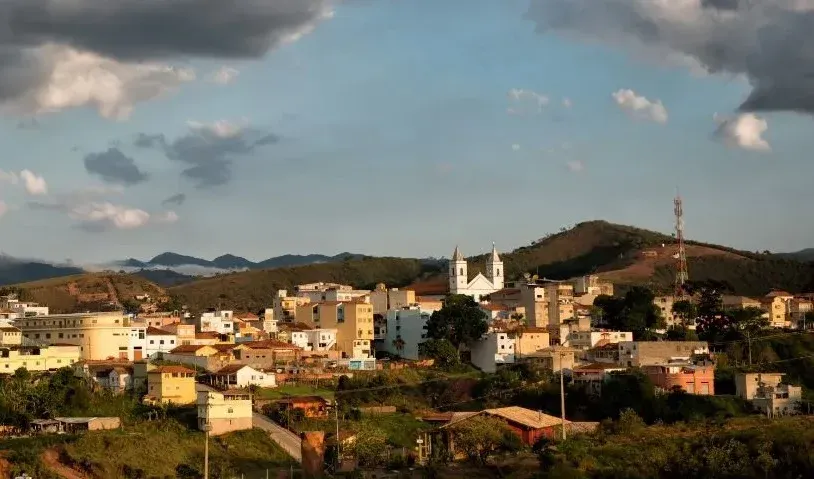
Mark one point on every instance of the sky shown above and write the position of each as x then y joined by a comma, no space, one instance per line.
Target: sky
398,127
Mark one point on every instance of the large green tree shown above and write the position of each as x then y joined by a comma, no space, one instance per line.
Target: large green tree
460,321
635,311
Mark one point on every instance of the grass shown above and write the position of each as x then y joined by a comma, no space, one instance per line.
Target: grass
23,454
167,449
295,390
401,429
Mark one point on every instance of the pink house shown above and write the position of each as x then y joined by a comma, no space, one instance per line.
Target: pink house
692,378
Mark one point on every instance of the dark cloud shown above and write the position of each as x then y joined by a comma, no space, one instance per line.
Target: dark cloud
208,151
770,42
113,166
176,200
137,30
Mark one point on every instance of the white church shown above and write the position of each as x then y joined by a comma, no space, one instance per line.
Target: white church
480,285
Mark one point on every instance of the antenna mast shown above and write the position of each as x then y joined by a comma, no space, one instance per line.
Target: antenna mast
681,268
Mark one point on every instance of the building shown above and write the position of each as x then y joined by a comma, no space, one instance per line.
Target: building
640,353
171,385
665,305
285,306
353,322
768,393
777,305
116,379
480,286
319,292
529,340
37,358
383,299
560,296
593,375
534,300
554,358
184,333
221,322
210,357
225,411
98,335
493,349
25,309
799,308
592,285
694,378
406,330
10,336
157,320
739,302
312,339
268,353
242,376
311,406
148,342
595,338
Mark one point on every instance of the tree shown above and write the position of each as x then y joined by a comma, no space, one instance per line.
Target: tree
635,311
681,333
442,351
686,311
479,437
460,321
369,445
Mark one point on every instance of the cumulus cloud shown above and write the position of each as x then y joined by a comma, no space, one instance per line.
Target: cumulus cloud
743,131
640,107
575,166
768,41
34,185
56,54
113,166
567,103
177,200
224,75
209,149
98,215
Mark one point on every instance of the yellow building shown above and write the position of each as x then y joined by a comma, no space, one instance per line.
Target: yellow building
739,302
285,306
383,299
560,303
171,384
225,411
353,322
531,340
10,336
777,305
37,358
98,335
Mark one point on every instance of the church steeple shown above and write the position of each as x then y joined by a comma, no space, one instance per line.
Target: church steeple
494,268
493,258
456,255
458,279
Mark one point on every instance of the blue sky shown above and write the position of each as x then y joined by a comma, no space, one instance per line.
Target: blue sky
393,136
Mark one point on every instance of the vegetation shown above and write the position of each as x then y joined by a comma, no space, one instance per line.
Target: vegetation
281,392
460,321
635,312
482,436
744,448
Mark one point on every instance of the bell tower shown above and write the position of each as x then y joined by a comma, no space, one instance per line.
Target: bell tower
457,273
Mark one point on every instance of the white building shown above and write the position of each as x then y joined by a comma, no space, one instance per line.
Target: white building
317,339
221,322
321,292
493,349
268,321
242,376
480,285
146,343
406,329
26,309
592,339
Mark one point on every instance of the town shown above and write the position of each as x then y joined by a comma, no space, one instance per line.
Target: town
326,359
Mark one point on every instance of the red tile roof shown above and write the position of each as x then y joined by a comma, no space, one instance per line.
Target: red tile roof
172,369
152,331
270,344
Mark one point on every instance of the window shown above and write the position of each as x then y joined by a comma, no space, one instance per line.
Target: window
461,272
152,341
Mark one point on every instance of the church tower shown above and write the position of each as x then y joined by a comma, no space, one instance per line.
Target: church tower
457,273
494,269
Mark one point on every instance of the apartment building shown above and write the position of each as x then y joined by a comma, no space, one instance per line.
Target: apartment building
597,337
530,340
221,322
495,348
560,303
171,384
37,358
406,330
285,306
98,335
353,322
640,353
383,299
798,309
665,305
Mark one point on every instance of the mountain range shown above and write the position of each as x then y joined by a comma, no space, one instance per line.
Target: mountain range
232,262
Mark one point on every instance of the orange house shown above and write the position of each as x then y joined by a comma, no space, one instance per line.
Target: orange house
312,406
694,379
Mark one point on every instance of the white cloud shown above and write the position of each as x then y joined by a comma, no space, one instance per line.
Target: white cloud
566,103
575,166
224,75
108,214
77,78
526,101
515,147
221,128
34,185
743,131
166,217
640,107
3,208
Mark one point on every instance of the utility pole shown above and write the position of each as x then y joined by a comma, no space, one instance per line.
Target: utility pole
207,427
338,442
562,397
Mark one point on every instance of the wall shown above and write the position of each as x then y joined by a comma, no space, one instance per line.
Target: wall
409,324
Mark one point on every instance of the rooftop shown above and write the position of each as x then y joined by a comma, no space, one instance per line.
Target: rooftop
173,369
153,331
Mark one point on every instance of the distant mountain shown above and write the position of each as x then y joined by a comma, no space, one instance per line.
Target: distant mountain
802,255
230,262
164,277
14,271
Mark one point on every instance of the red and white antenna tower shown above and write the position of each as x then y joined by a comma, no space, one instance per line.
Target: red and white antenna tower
681,268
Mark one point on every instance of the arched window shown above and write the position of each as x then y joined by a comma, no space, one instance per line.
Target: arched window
498,272
461,272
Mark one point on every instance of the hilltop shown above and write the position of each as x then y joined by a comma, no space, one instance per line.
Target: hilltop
88,292
622,254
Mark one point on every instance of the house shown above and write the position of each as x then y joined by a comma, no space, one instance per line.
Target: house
10,336
312,406
184,333
221,322
493,349
37,358
241,376
312,339
225,411
209,357
171,385
553,358
116,379
592,285
593,375
529,340
148,342
694,378
71,425
285,306
639,353
267,353
481,285
768,394
596,337
530,426
353,321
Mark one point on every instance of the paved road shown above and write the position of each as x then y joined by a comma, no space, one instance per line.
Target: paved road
284,438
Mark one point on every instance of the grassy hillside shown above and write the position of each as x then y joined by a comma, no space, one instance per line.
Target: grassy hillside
253,290
88,292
